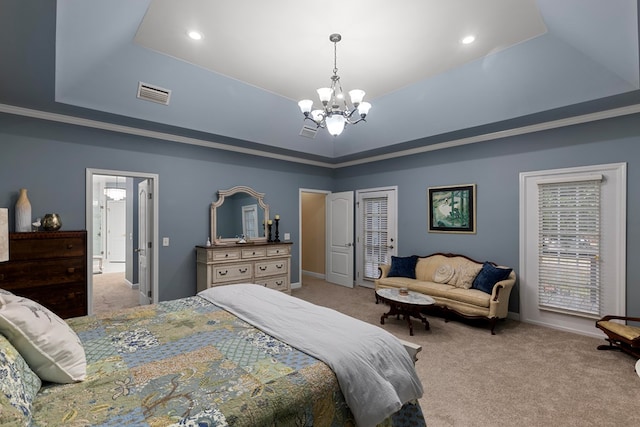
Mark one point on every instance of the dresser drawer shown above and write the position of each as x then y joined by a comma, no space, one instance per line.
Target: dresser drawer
69,300
26,249
271,268
254,253
223,255
228,273
24,274
278,251
280,283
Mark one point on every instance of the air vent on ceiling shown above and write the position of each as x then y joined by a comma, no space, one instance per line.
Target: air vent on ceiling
153,93
308,132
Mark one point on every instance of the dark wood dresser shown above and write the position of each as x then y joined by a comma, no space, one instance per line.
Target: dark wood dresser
49,267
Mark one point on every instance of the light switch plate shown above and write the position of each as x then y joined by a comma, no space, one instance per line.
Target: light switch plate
165,241
287,236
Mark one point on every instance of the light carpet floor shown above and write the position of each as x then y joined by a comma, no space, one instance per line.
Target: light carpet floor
525,375
111,292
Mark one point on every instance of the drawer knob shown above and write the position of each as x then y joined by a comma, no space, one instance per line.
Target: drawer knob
71,270
70,246
263,268
226,255
279,283
254,252
223,274
279,266
243,270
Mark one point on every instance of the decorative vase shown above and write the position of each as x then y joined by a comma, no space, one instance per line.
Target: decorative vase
51,222
23,212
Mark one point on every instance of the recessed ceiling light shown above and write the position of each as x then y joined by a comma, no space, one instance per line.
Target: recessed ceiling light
195,35
468,39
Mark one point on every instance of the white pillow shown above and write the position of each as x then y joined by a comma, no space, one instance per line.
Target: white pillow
3,292
50,347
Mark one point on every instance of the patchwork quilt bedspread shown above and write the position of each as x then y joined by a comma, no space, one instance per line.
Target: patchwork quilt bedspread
189,362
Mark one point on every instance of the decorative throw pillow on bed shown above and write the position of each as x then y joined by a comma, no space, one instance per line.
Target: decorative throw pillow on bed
403,267
443,274
18,386
50,347
3,292
489,276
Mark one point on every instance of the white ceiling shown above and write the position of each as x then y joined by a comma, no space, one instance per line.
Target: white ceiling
385,45
534,61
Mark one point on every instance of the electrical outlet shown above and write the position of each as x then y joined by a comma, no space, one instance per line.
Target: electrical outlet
165,241
287,236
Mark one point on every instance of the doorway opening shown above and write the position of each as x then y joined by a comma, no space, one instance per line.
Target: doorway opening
122,229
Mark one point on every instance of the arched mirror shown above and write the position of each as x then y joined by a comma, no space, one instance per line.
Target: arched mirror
239,211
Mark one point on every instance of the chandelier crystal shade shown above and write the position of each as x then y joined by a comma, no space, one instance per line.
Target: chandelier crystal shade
336,113
115,193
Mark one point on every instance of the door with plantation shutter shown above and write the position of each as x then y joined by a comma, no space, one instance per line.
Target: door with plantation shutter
572,247
376,233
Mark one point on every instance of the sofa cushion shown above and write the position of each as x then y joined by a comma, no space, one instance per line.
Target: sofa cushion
443,274
403,266
397,282
469,296
431,288
465,273
427,266
489,276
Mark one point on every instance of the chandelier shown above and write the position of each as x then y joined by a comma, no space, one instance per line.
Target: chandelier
335,114
115,193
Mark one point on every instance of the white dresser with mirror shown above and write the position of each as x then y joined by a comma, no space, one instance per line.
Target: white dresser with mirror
242,250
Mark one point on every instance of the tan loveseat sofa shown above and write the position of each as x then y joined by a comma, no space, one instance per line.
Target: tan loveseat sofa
458,284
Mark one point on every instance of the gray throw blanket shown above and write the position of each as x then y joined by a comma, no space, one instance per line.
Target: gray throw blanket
375,372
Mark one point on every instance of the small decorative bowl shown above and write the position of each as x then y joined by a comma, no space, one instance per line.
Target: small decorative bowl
51,222
403,291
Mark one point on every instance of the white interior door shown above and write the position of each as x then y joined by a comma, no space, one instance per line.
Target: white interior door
116,230
144,242
340,238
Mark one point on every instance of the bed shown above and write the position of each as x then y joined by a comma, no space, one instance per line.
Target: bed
182,362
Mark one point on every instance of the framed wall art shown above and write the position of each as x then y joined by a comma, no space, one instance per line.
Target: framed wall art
452,209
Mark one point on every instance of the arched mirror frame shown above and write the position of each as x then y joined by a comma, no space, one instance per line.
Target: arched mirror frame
228,193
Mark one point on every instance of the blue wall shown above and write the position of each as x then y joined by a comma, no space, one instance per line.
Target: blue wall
495,167
50,160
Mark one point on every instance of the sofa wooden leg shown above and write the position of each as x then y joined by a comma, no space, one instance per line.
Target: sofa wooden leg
493,322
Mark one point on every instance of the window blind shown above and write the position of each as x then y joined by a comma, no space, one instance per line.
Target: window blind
569,247
375,221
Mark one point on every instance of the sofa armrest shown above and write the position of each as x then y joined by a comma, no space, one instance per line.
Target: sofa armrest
384,270
499,303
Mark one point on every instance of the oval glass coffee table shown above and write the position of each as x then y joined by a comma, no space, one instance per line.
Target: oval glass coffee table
410,305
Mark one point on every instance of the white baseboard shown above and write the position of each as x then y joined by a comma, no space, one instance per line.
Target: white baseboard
296,285
313,274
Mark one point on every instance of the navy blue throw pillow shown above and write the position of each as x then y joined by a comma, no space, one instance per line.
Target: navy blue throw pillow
403,266
489,276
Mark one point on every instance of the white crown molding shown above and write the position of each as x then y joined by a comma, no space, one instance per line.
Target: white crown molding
554,124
